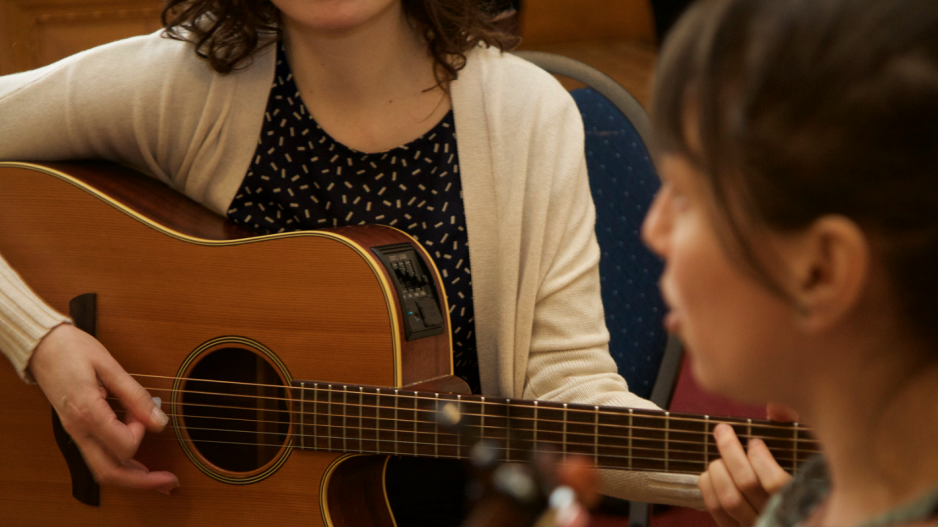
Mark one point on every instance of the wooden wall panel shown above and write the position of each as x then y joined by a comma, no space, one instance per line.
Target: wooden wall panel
34,33
554,21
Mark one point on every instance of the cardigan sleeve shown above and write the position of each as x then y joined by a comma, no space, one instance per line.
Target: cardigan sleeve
147,102
24,320
121,102
568,358
568,355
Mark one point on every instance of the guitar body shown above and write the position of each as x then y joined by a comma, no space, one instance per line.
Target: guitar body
174,283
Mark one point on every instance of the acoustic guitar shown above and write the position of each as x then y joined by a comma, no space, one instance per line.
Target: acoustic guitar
291,365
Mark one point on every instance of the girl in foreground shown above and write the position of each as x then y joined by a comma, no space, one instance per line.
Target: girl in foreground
798,216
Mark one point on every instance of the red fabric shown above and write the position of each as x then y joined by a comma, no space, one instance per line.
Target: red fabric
690,398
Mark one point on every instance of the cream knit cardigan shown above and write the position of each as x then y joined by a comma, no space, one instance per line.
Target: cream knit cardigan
148,102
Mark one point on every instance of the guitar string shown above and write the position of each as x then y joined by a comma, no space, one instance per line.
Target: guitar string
752,430
445,434
411,445
515,419
451,435
468,456
576,408
804,446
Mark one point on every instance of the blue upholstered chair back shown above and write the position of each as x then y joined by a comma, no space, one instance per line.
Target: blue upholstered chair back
624,181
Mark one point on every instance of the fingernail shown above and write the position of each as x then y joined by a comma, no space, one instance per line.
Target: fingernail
158,402
159,417
754,442
168,490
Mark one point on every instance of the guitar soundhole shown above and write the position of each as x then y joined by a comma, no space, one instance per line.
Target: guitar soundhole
235,409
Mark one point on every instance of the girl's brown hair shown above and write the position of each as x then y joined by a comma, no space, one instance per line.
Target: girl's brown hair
805,108
227,33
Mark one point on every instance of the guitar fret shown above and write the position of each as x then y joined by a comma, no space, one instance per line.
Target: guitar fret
564,456
482,430
378,420
361,421
706,460
302,401
396,443
535,425
596,436
329,430
436,430
631,412
458,435
344,418
316,415
748,429
415,424
794,458
667,440
508,430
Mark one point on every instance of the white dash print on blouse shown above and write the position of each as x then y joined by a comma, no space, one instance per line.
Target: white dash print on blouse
303,179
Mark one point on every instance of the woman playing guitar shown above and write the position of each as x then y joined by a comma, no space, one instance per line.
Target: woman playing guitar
297,114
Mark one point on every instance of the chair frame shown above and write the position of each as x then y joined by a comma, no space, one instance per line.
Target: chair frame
597,80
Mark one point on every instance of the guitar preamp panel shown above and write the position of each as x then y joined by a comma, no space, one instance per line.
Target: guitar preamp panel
416,292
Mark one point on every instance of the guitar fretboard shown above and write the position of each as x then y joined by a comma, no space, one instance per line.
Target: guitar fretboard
362,419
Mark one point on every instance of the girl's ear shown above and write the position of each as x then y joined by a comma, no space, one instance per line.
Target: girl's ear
831,262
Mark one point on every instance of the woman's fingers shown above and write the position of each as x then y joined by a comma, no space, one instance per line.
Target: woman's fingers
132,396
136,428
742,476
730,496
772,476
77,373
66,364
737,486
713,502
97,421
108,470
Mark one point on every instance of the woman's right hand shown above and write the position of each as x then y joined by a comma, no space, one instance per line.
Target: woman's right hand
77,373
737,486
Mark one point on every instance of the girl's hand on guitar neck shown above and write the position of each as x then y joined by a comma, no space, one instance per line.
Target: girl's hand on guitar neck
76,373
737,487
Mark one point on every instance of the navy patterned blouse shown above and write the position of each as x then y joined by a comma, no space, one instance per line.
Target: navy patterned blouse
302,179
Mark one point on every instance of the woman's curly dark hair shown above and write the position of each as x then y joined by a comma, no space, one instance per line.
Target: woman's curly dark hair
227,33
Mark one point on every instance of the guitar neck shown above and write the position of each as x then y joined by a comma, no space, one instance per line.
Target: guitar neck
361,419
